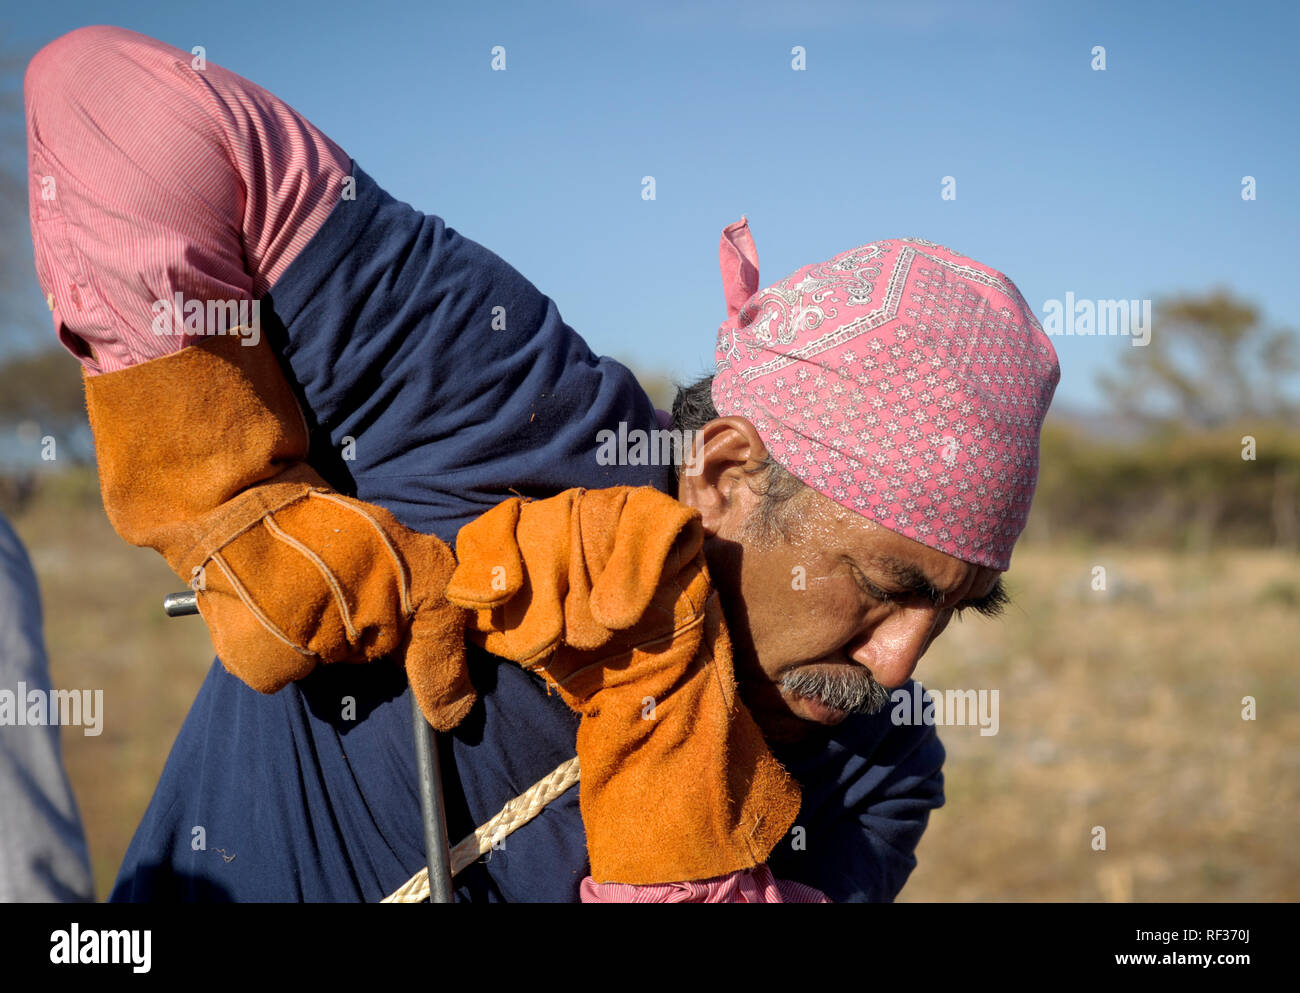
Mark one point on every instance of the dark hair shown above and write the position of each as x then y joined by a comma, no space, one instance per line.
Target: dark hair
692,409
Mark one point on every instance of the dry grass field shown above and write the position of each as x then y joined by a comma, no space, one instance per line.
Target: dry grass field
1120,709
1123,710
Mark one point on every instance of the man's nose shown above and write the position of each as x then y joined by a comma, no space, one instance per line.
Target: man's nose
893,647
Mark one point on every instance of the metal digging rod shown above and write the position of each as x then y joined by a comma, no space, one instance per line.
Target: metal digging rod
432,810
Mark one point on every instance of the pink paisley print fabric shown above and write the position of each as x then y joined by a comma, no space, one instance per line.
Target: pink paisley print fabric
901,379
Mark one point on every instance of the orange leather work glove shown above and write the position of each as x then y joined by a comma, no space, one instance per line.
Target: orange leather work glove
202,457
606,594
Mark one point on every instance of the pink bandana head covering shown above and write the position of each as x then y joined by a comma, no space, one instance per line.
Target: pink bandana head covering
902,380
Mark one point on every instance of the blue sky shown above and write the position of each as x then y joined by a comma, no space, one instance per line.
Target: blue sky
1117,184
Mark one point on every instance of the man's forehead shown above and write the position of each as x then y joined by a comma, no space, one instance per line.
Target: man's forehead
901,559
938,583
913,565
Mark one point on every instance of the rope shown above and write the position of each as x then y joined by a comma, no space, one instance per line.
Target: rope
515,814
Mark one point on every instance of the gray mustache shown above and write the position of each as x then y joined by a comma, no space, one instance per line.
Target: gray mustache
854,691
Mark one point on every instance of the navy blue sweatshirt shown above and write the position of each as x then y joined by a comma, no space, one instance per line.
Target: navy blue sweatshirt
437,382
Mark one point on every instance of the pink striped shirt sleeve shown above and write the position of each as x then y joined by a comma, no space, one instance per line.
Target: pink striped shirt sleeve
756,885
152,174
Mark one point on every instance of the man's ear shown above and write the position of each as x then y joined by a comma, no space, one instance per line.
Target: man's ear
715,481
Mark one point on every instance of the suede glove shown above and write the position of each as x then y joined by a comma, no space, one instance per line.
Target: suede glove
202,457
606,595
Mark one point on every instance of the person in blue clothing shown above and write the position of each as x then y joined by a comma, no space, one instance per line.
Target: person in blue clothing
424,381
43,853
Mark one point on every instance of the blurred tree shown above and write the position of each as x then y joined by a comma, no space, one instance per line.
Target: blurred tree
1211,361
43,386
1214,374
658,386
